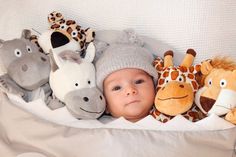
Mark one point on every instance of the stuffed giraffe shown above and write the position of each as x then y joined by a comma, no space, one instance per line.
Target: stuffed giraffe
176,88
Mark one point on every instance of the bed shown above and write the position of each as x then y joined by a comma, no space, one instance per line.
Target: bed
33,130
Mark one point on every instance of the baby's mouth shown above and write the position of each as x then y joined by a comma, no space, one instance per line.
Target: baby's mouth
131,102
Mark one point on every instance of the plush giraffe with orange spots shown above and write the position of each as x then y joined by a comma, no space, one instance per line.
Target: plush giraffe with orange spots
176,88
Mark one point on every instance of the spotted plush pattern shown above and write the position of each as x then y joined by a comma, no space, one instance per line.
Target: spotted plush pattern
34,39
173,73
82,36
193,115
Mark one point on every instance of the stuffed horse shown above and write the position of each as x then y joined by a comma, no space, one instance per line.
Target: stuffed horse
218,95
176,88
27,69
73,82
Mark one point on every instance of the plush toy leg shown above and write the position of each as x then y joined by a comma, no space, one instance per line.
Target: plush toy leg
9,86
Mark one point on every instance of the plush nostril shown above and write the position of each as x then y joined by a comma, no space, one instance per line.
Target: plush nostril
24,67
181,86
58,39
100,97
43,59
163,88
86,99
206,103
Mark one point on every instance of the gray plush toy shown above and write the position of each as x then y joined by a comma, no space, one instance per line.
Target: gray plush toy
27,69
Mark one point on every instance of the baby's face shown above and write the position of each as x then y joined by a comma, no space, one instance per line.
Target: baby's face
129,93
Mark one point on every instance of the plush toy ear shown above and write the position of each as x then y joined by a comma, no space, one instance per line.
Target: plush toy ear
53,64
90,53
71,56
206,67
26,34
90,35
158,63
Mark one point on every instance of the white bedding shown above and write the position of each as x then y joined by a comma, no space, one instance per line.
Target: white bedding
63,117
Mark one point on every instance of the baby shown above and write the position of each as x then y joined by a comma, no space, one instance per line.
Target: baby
126,76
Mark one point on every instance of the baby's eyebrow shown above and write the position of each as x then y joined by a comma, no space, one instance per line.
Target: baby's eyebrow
111,81
142,75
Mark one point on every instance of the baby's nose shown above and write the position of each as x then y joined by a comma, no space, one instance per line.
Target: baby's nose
131,91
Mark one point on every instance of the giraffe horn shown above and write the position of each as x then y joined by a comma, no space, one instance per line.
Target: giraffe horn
168,58
188,59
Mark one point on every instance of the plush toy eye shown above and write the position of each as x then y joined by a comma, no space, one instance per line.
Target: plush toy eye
18,53
209,82
63,26
89,82
180,79
223,83
76,84
29,49
167,80
74,33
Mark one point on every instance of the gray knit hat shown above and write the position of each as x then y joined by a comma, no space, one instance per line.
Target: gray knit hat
121,56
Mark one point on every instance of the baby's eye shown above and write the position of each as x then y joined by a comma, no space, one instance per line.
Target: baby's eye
116,88
139,81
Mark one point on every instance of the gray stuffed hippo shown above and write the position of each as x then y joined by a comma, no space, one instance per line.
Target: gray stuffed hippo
27,68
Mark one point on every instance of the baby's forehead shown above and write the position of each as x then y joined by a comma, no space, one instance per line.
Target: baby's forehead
127,73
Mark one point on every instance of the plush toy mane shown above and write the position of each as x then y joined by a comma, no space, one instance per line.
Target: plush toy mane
218,62
225,63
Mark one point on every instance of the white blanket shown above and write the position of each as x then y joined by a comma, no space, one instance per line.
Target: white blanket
63,117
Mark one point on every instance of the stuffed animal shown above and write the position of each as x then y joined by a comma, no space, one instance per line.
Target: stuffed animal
73,83
27,69
218,95
176,88
65,35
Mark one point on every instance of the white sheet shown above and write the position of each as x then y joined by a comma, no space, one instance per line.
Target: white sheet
63,117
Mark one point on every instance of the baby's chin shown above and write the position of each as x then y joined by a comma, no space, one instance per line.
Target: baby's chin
135,115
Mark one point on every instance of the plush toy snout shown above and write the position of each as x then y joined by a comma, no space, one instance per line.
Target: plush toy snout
206,103
58,39
174,98
86,103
